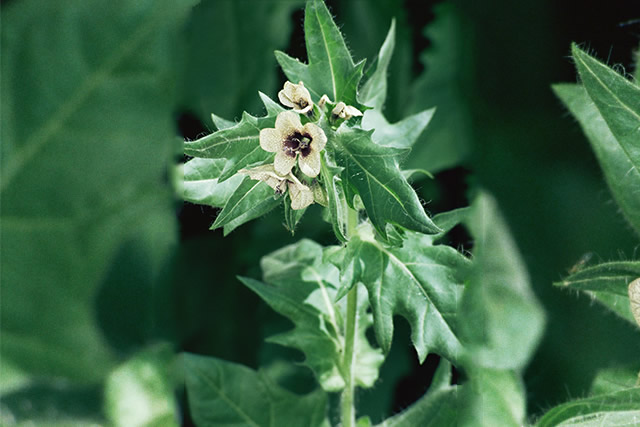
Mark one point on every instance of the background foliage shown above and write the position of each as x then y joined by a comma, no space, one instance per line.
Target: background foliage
99,258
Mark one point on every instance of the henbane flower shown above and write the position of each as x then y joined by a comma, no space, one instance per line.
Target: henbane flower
290,141
296,97
301,195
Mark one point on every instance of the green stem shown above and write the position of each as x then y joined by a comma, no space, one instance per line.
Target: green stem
347,407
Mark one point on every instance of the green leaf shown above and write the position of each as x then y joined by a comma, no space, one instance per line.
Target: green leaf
250,200
291,216
608,284
619,408
77,106
201,182
616,378
331,70
621,174
239,144
221,123
227,394
372,171
446,84
336,198
303,288
140,391
419,281
226,62
373,92
492,398
501,318
402,134
438,407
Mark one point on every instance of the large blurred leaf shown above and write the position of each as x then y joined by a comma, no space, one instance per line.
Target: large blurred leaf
501,318
445,84
230,54
227,394
607,283
420,281
303,288
619,408
620,172
87,102
331,70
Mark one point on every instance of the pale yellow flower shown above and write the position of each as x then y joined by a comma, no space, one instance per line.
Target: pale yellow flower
296,97
300,194
345,111
290,141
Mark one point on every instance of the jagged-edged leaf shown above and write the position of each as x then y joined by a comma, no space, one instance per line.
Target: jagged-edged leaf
621,174
438,407
373,92
201,182
336,198
608,284
140,391
239,144
221,123
501,318
86,86
619,408
402,134
300,286
331,70
419,281
616,98
491,398
250,200
222,394
445,84
372,172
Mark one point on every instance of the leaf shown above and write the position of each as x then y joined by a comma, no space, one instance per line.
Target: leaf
201,182
446,84
239,144
619,408
227,394
501,319
438,407
608,284
373,92
336,198
620,172
617,99
77,106
303,288
291,216
251,200
402,134
229,54
616,378
419,281
373,172
331,70
140,393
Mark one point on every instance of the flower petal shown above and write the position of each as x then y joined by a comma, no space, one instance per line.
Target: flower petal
287,123
301,196
270,140
285,97
310,165
318,138
283,163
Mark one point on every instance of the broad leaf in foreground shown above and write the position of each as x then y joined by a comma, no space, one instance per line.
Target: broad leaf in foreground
222,394
372,171
78,105
608,284
300,286
331,70
419,281
501,318
619,408
621,174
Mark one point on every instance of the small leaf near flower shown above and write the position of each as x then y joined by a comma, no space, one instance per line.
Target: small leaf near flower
290,141
296,96
345,111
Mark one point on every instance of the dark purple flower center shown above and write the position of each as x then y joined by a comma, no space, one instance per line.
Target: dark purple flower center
297,143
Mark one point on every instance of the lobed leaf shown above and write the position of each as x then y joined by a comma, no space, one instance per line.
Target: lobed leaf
372,172
331,70
608,284
227,394
373,92
402,134
621,174
201,182
336,199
